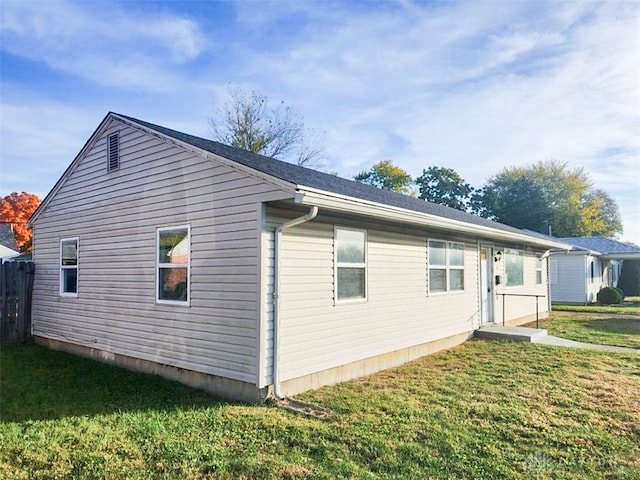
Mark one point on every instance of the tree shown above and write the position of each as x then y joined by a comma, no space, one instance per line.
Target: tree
16,209
387,176
245,121
629,280
444,186
600,215
525,197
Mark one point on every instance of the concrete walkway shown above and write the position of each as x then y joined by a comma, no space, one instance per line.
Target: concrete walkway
524,334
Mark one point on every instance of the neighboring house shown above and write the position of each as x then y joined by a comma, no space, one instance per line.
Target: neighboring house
244,275
578,274
8,246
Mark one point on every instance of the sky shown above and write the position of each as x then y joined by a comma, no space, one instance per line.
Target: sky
476,86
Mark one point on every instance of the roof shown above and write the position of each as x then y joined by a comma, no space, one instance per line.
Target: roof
323,181
603,245
314,186
23,257
7,238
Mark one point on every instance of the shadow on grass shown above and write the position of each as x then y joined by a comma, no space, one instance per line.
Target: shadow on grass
622,326
41,384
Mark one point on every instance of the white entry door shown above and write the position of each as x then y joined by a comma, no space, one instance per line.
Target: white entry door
486,285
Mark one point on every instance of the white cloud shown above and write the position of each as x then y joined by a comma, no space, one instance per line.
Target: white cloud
102,42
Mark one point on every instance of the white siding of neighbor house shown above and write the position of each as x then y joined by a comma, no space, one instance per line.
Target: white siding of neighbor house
571,278
318,334
115,216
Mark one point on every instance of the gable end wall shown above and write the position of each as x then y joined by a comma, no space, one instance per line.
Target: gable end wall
115,216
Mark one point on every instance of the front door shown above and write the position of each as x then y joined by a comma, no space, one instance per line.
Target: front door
486,285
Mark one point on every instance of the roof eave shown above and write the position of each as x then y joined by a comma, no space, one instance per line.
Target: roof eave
622,256
332,201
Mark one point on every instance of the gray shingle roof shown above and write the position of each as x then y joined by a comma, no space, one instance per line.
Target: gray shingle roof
307,177
604,245
7,238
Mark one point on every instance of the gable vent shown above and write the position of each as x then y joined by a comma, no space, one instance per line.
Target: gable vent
113,152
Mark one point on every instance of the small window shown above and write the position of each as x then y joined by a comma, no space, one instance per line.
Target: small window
69,267
174,253
538,271
446,266
514,268
113,152
351,264
593,271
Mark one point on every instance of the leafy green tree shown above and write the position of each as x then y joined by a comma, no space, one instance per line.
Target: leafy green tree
525,197
444,186
245,121
629,280
600,215
387,176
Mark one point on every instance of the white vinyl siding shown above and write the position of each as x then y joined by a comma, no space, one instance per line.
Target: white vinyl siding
116,217
316,334
69,254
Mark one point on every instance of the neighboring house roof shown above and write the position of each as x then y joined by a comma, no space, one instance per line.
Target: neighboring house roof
23,257
7,238
607,247
311,180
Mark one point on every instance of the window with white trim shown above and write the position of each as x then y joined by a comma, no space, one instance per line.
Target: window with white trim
446,266
69,267
538,270
514,268
351,264
174,263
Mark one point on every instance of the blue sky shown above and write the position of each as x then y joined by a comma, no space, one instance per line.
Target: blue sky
472,85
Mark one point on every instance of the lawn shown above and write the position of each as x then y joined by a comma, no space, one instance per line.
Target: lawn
482,410
631,306
621,331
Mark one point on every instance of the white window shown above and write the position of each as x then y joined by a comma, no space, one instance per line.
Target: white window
514,268
538,271
351,264
174,261
69,267
446,266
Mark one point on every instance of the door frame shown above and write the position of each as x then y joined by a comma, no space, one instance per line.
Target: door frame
486,285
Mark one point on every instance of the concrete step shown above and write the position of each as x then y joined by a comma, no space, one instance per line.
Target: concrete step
518,334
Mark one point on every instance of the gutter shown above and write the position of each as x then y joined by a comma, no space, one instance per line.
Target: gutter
332,201
276,295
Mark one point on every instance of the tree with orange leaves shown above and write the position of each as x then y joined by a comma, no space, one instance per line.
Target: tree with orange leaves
16,209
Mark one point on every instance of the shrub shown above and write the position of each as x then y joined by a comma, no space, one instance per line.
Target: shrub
620,292
609,296
630,278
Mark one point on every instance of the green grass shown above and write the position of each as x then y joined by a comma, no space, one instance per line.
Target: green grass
482,410
620,331
631,306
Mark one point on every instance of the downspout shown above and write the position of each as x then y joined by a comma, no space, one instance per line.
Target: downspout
276,295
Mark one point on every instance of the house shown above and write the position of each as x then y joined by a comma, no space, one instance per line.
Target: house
577,275
247,276
8,246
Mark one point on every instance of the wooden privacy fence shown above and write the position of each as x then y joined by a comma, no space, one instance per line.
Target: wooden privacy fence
16,288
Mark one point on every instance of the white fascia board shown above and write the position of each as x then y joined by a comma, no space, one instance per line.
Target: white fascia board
622,256
592,253
333,201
